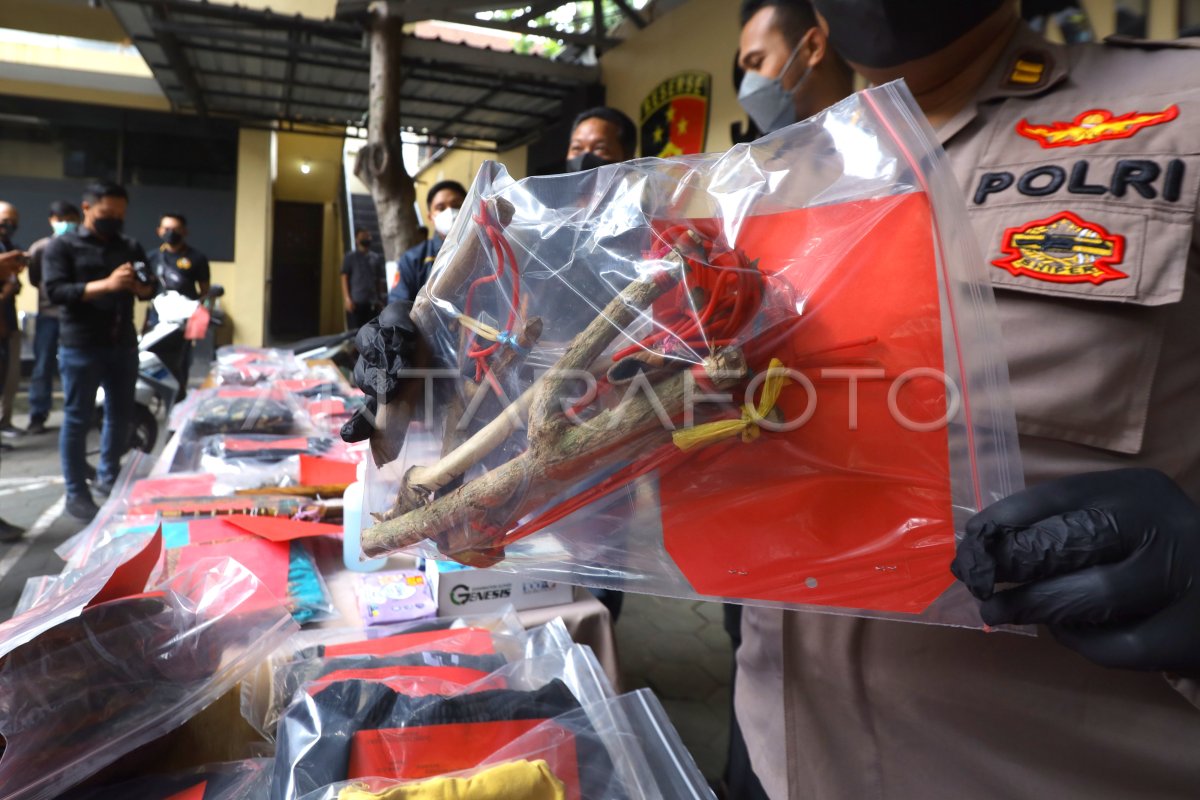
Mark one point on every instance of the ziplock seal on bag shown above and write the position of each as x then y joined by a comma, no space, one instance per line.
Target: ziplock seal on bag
771,376
125,672
623,747
338,727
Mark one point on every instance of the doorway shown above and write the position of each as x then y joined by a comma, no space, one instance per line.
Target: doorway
297,245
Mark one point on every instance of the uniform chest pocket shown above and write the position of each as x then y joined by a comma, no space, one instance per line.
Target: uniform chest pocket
1084,288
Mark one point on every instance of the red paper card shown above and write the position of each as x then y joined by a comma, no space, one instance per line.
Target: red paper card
432,750
825,514
172,486
330,405
235,445
131,577
193,793
464,641
414,681
267,560
281,529
319,471
299,384
213,529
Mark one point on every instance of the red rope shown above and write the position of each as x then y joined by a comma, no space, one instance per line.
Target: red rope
506,261
731,290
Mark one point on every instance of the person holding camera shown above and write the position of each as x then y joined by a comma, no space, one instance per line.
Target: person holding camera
94,274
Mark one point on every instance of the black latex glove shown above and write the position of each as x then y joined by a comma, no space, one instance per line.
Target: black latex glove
386,347
1110,561
360,426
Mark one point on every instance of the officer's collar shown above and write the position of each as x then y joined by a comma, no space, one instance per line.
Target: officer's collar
1029,66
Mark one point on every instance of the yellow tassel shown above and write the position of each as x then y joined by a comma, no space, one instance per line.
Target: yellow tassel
749,426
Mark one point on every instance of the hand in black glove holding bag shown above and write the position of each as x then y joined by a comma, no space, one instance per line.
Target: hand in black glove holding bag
387,346
1110,561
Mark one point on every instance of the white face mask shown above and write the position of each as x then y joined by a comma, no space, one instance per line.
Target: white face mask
444,220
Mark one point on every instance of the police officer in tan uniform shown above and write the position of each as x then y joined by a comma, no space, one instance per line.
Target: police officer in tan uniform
1080,167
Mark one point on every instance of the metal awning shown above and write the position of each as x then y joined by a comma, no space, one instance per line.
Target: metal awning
259,66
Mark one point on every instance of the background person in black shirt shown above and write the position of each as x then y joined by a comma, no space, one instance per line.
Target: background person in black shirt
12,261
64,218
10,356
181,268
90,274
363,282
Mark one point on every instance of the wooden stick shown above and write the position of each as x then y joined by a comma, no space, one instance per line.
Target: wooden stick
421,482
461,264
324,490
495,501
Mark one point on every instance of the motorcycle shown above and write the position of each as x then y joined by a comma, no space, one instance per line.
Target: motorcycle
162,352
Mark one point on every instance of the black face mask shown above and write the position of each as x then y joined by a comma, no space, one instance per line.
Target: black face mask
585,161
364,242
7,229
172,237
886,33
108,227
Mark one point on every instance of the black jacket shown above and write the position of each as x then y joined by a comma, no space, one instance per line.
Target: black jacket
69,263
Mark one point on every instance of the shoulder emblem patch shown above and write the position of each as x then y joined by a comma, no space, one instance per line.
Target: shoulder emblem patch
1062,249
1096,125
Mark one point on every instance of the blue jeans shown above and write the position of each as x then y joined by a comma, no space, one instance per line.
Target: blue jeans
45,367
84,370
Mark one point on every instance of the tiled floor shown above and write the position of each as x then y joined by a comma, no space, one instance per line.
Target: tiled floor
679,649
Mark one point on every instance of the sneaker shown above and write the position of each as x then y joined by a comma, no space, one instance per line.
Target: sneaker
5,447
10,431
102,487
81,507
37,427
10,533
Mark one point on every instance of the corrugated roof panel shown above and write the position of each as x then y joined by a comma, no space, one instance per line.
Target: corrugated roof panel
260,65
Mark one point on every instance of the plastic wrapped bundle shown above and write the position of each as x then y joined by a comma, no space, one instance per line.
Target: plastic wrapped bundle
238,365
101,684
618,748
463,652
240,410
771,375
349,725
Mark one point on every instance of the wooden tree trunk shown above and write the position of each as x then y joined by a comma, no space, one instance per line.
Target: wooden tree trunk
380,164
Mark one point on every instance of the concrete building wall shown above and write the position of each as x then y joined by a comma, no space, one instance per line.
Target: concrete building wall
699,35
245,277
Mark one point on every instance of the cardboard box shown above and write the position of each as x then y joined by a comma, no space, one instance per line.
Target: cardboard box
465,590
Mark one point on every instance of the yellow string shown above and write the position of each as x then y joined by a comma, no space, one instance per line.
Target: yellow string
480,328
749,426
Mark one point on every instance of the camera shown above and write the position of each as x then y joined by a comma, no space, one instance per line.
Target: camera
143,273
